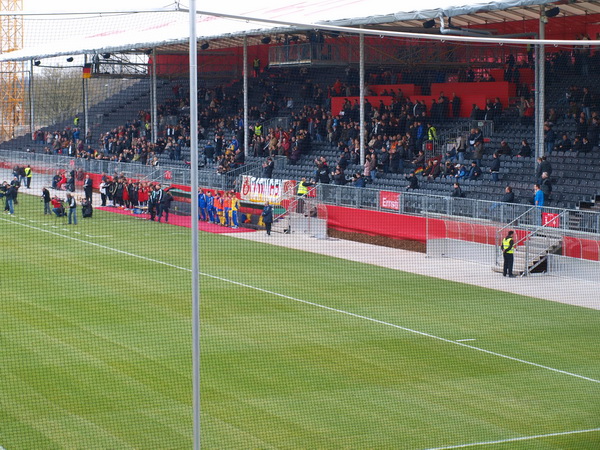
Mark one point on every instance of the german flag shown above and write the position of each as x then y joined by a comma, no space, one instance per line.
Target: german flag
87,70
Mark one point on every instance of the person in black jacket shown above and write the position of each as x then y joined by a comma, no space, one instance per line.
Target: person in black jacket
10,196
86,208
154,201
165,205
457,191
474,172
46,199
72,204
339,177
543,165
509,195
495,167
70,186
88,187
525,151
322,172
267,168
413,181
267,217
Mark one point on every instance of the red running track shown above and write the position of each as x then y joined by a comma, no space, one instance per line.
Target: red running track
180,221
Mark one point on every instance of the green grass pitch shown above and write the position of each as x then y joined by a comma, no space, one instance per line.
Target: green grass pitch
298,350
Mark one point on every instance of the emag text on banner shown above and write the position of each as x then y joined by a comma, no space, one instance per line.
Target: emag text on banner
389,200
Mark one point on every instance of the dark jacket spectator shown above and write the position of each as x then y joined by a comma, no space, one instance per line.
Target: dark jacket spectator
565,144
267,168
413,182
322,173
457,191
495,164
509,195
358,180
474,172
339,178
525,150
505,149
543,166
546,186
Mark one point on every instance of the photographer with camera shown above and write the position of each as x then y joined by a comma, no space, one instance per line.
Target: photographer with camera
57,207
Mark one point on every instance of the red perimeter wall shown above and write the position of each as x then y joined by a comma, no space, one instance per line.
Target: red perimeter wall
581,248
399,226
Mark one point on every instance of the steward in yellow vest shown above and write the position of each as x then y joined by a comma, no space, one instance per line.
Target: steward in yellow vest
28,176
508,250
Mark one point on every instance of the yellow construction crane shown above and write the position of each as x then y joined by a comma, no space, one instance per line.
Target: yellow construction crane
12,80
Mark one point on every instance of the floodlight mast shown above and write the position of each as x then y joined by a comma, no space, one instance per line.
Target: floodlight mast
194,222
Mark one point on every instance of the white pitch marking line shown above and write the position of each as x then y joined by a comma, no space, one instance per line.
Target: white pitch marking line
524,438
317,305
465,340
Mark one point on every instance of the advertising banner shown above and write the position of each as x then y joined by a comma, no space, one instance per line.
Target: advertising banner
261,190
551,220
389,200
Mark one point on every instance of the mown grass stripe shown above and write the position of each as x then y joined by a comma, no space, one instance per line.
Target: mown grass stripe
328,308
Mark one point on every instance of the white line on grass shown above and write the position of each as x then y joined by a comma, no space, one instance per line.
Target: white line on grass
306,302
465,340
524,438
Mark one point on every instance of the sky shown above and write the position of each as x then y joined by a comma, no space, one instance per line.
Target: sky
42,29
88,5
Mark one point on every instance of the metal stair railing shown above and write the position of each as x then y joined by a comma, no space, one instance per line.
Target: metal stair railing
548,238
502,231
296,205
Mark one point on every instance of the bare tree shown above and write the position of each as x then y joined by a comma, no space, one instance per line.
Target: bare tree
58,95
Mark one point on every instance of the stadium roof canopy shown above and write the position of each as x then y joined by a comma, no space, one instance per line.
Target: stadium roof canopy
224,26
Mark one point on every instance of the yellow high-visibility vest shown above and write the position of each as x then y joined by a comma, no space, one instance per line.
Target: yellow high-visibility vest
506,244
302,188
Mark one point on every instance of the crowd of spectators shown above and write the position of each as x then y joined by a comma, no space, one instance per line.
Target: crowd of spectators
397,135
577,110
126,143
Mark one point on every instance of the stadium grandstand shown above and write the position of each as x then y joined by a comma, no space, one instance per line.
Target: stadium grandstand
418,94
439,128
370,98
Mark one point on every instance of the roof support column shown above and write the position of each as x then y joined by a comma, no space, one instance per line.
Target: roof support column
245,77
84,87
154,105
540,88
31,101
362,95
